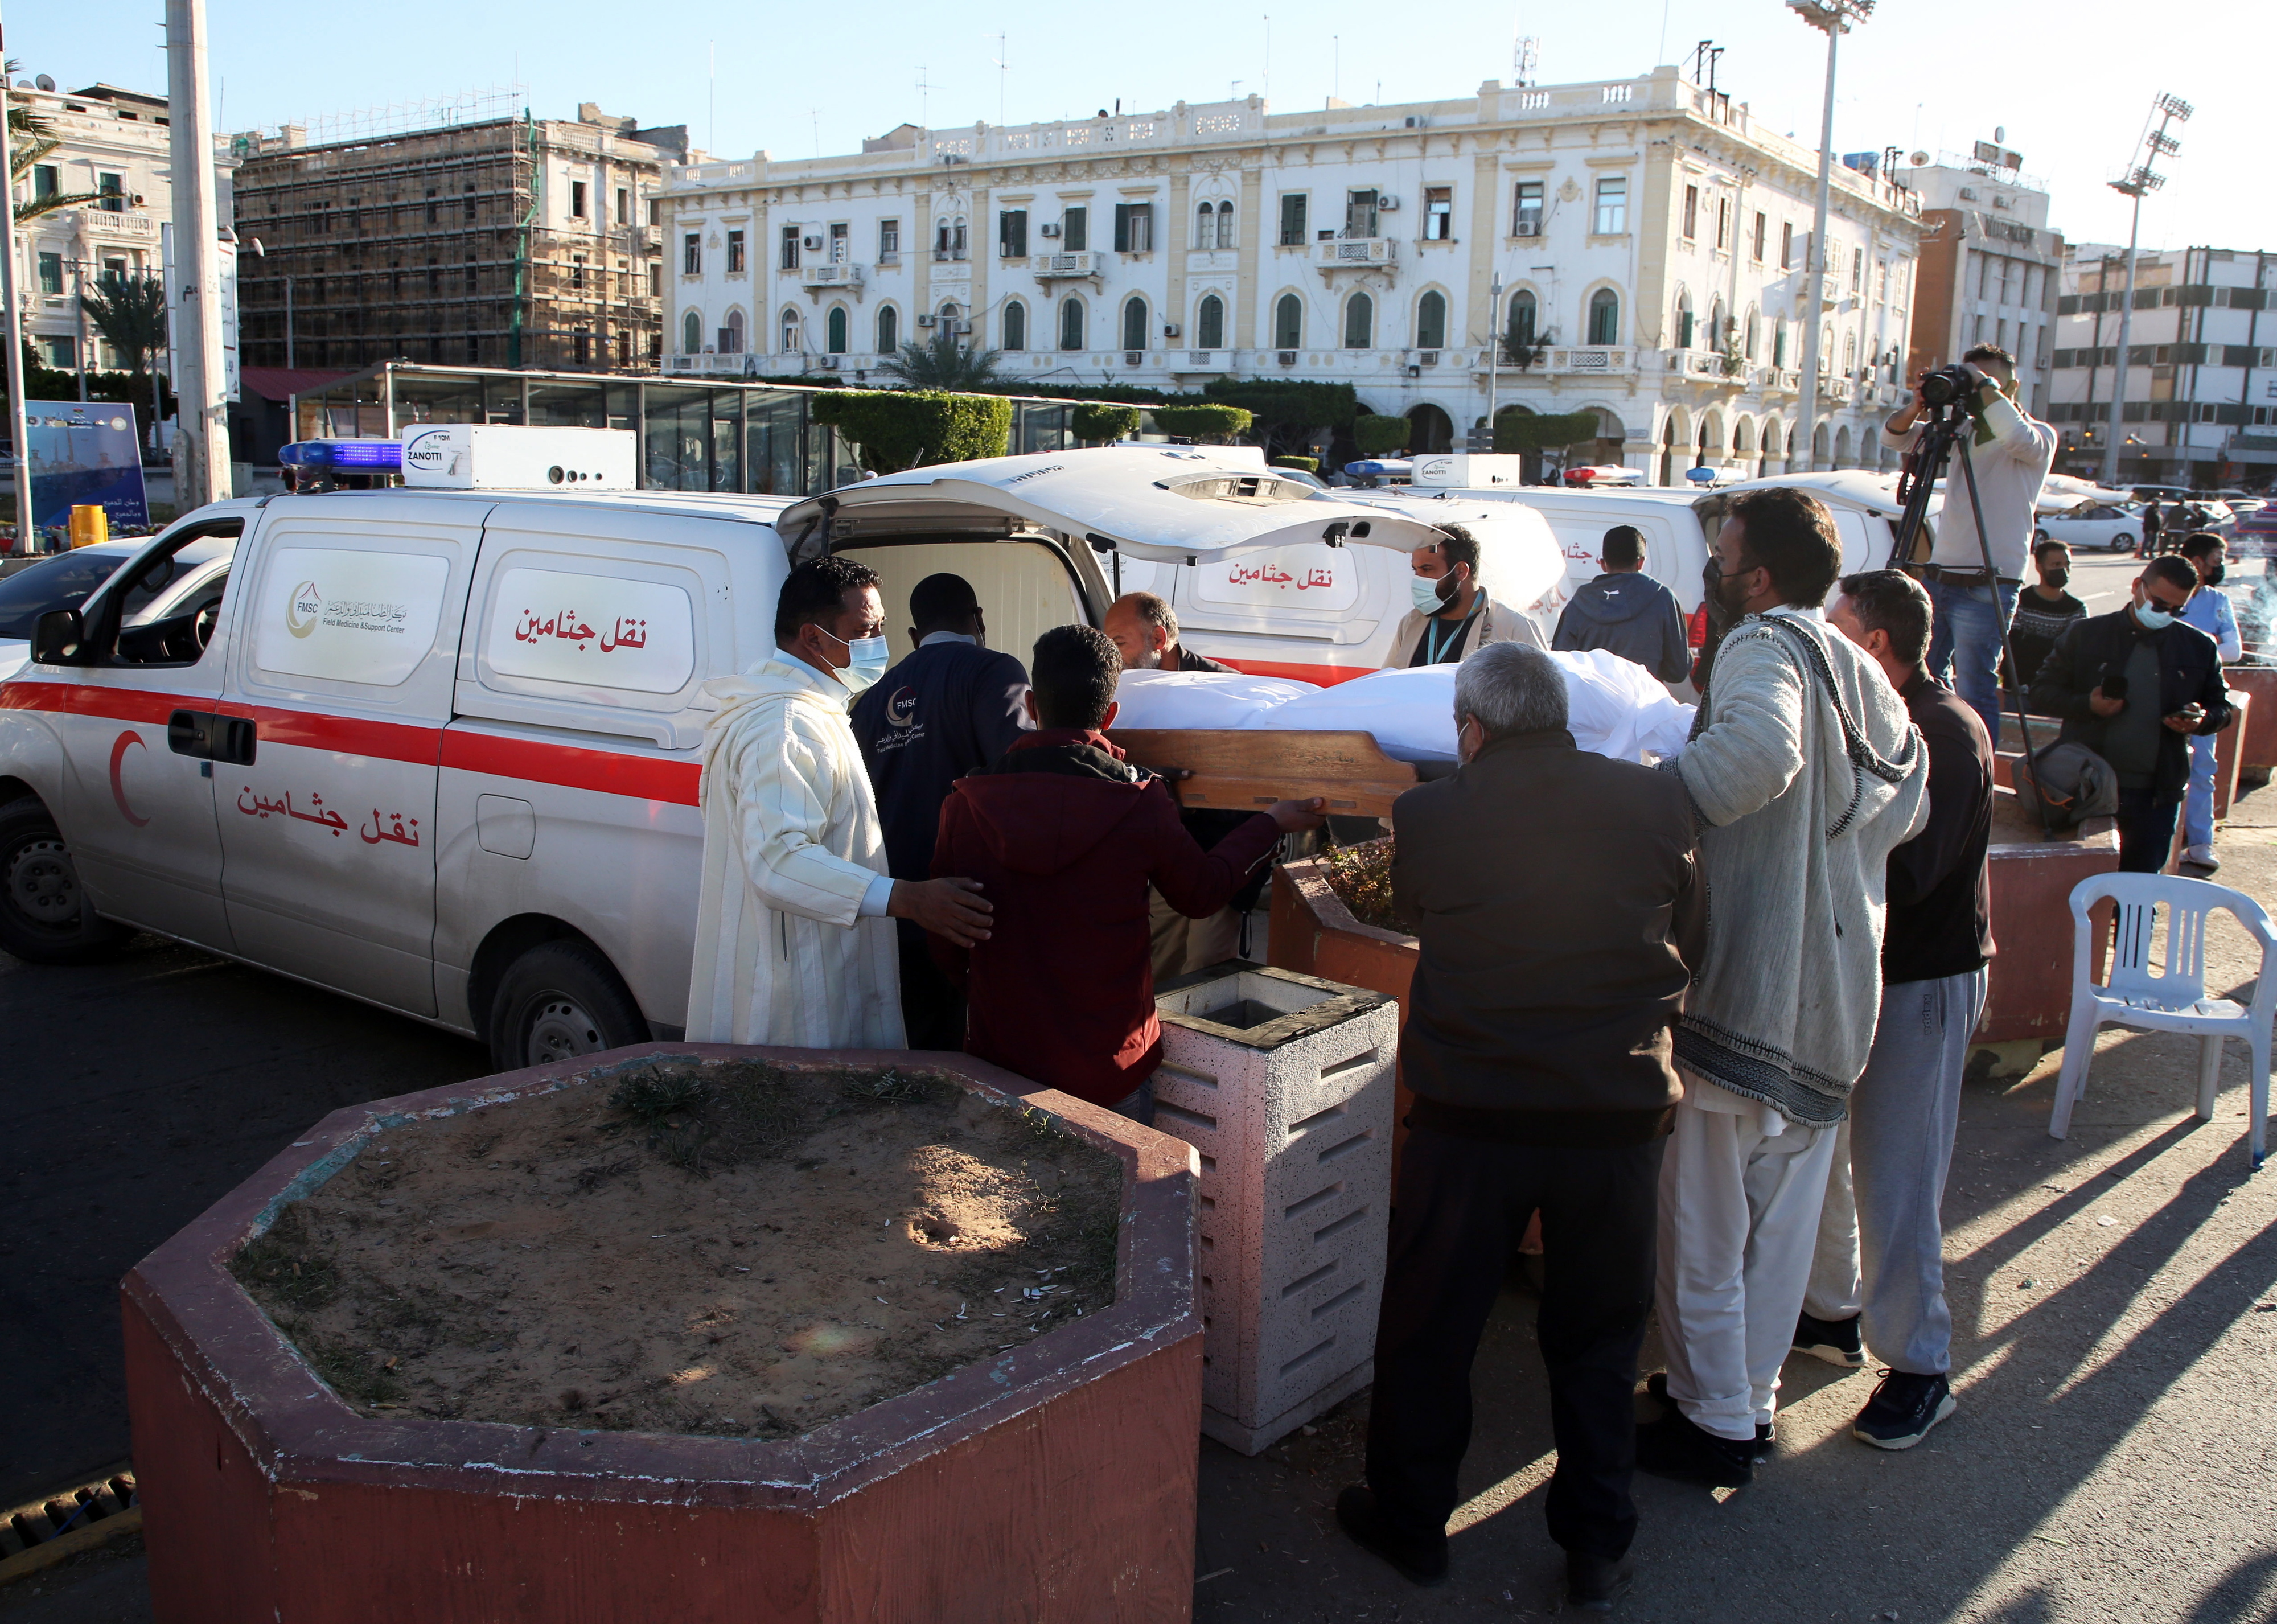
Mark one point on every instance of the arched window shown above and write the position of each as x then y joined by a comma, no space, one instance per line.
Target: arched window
1134,323
1683,320
1778,345
1360,323
1825,355
1016,325
1525,315
731,336
835,331
691,334
1719,333
1431,321
1605,316
1288,322
889,330
1071,324
1205,226
1849,353
1753,334
950,314
790,329
1209,323
1225,223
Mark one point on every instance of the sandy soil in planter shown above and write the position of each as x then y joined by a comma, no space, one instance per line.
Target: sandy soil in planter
707,1247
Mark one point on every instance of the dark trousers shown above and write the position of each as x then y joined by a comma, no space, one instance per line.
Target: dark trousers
932,1011
1460,1208
2146,830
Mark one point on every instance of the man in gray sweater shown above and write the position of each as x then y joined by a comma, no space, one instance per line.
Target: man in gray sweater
1807,771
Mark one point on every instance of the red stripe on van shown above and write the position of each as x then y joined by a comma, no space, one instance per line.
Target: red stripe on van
646,778
86,699
350,736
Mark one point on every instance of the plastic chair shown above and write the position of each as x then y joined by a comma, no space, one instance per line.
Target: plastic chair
2175,1000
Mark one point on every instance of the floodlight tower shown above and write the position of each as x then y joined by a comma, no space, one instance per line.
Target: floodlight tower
1834,19
2168,110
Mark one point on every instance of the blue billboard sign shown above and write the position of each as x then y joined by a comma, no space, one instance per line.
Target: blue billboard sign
85,453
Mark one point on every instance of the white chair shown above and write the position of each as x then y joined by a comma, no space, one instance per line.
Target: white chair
2175,1000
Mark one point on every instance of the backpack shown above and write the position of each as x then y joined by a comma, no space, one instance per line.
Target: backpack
2074,784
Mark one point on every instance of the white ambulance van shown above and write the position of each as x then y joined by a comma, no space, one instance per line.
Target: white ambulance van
435,747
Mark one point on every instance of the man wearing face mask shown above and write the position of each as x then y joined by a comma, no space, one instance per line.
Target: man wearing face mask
792,943
1453,613
2011,453
2210,610
1540,1058
2133,687
2044,612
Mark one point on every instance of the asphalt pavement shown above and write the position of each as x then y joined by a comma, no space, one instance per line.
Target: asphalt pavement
2114,1455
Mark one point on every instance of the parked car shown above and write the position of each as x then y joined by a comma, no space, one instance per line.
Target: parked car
436,749
2112,528
64,580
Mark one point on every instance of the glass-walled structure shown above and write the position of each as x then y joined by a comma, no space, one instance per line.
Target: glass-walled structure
710,436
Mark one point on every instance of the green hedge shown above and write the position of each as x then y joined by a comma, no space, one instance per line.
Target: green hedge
1204,423
1096,423
1287,403
1310,465
1381,435
1519,431
902,428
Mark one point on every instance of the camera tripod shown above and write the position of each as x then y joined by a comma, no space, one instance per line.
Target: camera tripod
1948,424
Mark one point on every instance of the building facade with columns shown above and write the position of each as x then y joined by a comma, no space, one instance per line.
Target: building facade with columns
1648,237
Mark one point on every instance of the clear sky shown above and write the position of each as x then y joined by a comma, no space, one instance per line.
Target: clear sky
2069,81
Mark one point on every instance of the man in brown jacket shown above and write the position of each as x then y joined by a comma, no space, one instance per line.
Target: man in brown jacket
1559,910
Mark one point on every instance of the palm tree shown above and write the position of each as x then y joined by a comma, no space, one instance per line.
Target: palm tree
943,364
130,312
30,138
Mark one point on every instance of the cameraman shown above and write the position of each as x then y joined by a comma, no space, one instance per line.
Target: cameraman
2011,453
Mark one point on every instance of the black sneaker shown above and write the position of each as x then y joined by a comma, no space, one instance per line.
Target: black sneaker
1766,1435
1593,1583
1420,1561
1674,1447
1903,1409
1835,1341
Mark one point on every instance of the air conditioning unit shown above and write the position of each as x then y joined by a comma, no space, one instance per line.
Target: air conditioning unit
1170,330
1430,358
962,330
1387,203
1047,231
928,321
811,242
828,363
1288,357
1526,228
1134,357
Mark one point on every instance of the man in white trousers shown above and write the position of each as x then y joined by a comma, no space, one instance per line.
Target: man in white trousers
1880,1264
1805,773
793,945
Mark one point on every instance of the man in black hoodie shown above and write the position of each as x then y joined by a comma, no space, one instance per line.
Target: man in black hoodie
1626,612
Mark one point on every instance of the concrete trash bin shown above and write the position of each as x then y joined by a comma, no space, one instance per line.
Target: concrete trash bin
1283,1082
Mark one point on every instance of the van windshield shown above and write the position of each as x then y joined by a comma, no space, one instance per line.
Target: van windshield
59,582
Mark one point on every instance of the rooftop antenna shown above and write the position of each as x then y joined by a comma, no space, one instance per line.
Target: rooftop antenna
711,93
1335,66
1526,59
815,113
922,87
1268,56
1003,60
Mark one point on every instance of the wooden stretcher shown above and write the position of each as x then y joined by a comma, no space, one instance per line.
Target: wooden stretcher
1243,771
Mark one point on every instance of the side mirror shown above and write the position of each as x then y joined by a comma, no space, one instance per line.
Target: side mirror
55,637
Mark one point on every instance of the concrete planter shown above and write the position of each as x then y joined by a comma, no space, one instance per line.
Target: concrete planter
1055,1481
2028,994
1284,1083
2257,729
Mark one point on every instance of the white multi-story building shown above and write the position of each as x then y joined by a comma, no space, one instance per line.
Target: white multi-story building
1648,238
2201,406
114,148
1990,266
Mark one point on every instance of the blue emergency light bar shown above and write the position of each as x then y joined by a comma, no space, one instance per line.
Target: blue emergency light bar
345,456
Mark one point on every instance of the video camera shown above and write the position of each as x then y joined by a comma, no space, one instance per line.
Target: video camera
1948,386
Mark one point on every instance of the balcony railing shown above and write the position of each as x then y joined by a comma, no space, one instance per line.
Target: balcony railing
1355,251
1590,358
1081,263
845,274
110,222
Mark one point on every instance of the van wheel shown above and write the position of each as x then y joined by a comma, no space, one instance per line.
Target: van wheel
559,1000
45,917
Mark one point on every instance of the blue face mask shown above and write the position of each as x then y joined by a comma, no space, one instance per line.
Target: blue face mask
867,659
1424,590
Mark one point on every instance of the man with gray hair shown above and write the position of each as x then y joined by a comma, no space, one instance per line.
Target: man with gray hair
1538,1047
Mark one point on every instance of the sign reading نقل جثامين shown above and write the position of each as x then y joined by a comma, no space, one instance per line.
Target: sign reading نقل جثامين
348,616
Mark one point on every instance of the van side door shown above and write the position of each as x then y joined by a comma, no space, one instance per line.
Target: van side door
350,631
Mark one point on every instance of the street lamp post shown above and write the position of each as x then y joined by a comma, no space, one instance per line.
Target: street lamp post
1494,353
1834,19
2141,178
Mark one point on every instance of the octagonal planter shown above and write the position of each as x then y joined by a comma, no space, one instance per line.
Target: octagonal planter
1053,1481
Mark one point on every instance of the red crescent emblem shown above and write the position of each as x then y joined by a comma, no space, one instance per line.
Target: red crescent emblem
117,788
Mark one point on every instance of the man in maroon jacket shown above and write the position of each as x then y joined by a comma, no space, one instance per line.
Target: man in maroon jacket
1066,836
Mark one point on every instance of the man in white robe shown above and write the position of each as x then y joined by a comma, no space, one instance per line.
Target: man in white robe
793,942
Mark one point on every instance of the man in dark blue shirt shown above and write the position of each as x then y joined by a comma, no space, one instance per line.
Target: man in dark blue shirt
952,705
1626,612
